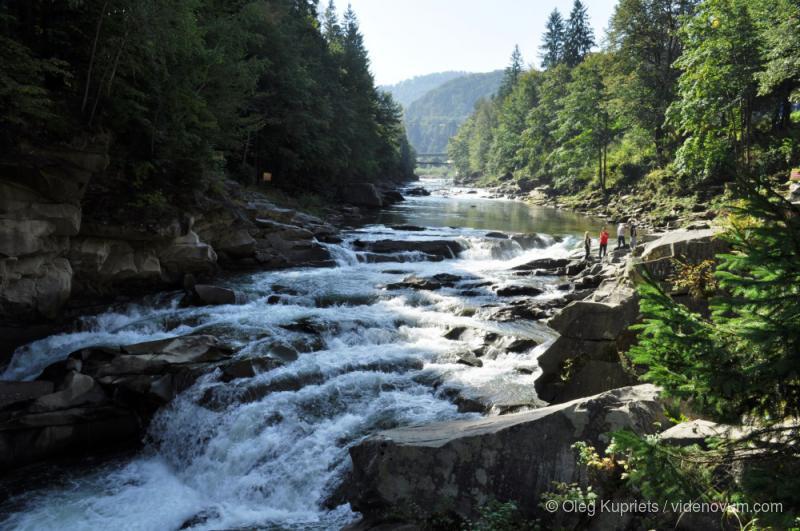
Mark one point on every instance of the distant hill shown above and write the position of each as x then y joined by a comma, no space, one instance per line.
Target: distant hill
406,92
435,117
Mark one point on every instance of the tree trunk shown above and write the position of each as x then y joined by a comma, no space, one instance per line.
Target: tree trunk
93,56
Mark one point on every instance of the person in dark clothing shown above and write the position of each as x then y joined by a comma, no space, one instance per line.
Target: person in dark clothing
587,244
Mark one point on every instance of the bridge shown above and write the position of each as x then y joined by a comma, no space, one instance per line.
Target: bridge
433,159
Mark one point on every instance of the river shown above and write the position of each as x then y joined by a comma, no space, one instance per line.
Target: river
226,456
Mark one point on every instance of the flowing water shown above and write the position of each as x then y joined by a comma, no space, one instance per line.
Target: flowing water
233,456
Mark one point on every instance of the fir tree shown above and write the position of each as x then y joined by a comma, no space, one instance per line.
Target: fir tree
579,36
512,73
330,24
553,41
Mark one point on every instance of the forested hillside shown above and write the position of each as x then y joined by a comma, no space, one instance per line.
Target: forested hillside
435,117
188,91
408,91
684,95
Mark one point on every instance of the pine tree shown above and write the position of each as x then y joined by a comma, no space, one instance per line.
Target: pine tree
330,24
553,41
512,73
579,36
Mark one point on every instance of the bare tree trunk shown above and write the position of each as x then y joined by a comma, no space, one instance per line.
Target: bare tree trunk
93,56
111,76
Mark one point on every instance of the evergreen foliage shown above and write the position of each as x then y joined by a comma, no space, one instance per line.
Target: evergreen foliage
553,40
192,89
578,36
736,365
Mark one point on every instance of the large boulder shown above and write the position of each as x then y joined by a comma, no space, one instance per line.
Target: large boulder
688,246
588,356
362,194
415,474
187,254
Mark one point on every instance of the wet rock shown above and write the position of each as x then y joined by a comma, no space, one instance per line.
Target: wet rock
27,437
413,282
409,228
455,333
521,310
247,368
457,467
519,291
208,295
438,248
530,241
521,345
391,196
417,191
463,357
543,263
75,390
447,279
496,235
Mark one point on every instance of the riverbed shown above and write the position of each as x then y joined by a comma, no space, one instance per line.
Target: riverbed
228,455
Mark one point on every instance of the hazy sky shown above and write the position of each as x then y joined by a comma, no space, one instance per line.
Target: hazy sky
407,38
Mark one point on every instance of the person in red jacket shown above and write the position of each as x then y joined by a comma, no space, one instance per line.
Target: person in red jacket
603,242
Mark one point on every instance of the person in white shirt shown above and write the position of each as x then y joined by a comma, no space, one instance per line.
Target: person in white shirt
621,235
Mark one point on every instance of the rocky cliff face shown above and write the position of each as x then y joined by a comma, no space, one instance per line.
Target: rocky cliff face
52,253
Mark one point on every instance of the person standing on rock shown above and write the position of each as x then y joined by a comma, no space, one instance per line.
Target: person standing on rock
603,242
634,234
587,245
620,235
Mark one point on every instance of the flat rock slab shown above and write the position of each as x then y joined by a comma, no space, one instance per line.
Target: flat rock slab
456,467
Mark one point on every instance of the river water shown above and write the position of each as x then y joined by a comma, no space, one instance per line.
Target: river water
229,456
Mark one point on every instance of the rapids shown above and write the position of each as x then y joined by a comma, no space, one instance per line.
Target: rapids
232,455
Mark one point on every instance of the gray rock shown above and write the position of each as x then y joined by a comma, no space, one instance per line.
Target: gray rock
543,263
206,294
456,467
519,291
362,194
439,248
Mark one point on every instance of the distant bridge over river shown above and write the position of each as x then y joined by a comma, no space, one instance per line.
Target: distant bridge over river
433,159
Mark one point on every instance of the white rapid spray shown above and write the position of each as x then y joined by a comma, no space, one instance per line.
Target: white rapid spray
269,451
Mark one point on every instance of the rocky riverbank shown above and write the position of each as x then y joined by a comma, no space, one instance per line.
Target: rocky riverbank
58,261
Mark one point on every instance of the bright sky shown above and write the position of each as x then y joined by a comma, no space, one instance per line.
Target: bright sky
407,38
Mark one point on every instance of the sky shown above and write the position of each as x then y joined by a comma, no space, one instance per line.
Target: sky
408,38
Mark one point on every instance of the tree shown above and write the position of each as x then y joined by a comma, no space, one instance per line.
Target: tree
586,124
644,37
552,47
512,73
579,36
716,89
330,24
780,25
